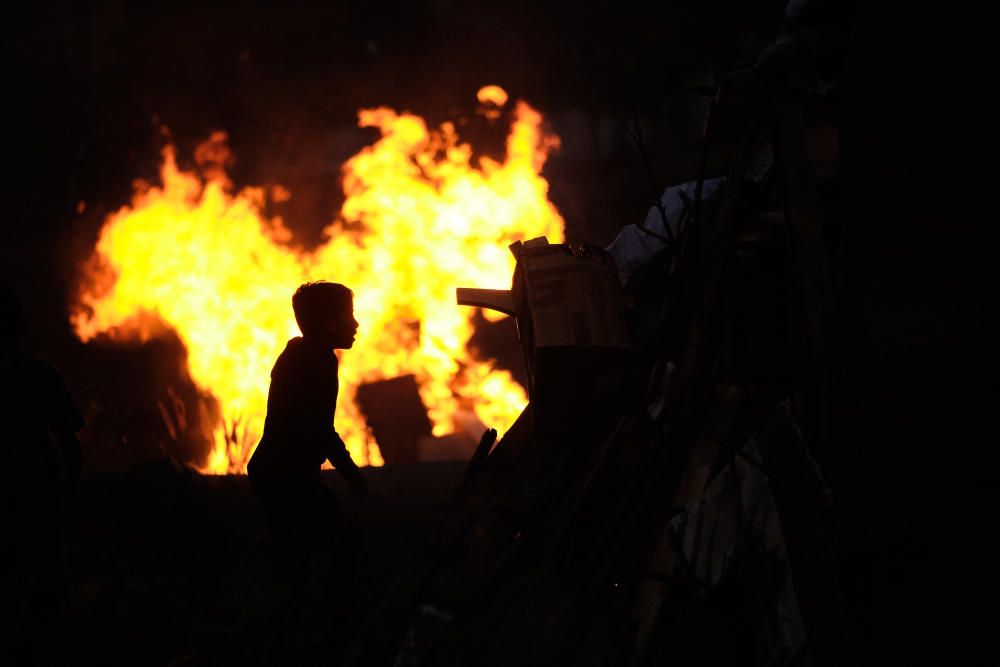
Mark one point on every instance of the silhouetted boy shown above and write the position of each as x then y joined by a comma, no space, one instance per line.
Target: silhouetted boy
40,463
298,432
315,551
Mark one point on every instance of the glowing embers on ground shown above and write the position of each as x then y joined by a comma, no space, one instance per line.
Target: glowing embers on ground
420,218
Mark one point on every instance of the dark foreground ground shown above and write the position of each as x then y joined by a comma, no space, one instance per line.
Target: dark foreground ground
168,567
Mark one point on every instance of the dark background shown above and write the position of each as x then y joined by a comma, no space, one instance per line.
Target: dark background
87,88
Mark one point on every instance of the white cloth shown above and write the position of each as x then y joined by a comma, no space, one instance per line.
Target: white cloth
633,247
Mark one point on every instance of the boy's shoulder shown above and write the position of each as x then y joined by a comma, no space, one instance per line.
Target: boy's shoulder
299,357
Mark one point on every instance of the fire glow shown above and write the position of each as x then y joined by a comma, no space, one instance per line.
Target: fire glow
420,218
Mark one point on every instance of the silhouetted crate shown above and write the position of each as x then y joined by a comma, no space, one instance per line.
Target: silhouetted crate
570,319
396,416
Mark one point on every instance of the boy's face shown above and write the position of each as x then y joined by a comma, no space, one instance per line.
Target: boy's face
341,328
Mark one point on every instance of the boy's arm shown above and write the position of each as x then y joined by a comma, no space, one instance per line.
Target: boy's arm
336,452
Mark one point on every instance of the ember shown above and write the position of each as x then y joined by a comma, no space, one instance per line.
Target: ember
421,217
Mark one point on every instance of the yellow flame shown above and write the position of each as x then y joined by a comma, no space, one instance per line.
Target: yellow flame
492,95
420,219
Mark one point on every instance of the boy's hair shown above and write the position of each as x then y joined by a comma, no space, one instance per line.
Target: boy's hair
314,302
11,314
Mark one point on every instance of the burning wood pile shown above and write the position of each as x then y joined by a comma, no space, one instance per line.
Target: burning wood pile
661,499
192,258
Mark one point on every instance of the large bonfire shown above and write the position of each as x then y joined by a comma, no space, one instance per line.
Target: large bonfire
421,217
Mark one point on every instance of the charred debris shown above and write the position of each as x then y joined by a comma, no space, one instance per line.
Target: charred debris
665,497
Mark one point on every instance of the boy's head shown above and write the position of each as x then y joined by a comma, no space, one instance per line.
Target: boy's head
11,319
325,313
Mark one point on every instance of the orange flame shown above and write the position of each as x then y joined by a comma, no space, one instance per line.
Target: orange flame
419,220
493,95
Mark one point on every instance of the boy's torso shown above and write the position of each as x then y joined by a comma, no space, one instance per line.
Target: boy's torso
301,404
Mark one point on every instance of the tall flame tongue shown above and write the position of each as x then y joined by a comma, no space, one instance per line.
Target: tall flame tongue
419,220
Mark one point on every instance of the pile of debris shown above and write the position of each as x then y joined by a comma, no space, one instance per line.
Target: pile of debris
662,497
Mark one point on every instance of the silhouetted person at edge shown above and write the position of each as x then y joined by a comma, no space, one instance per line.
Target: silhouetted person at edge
40,461
303,514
